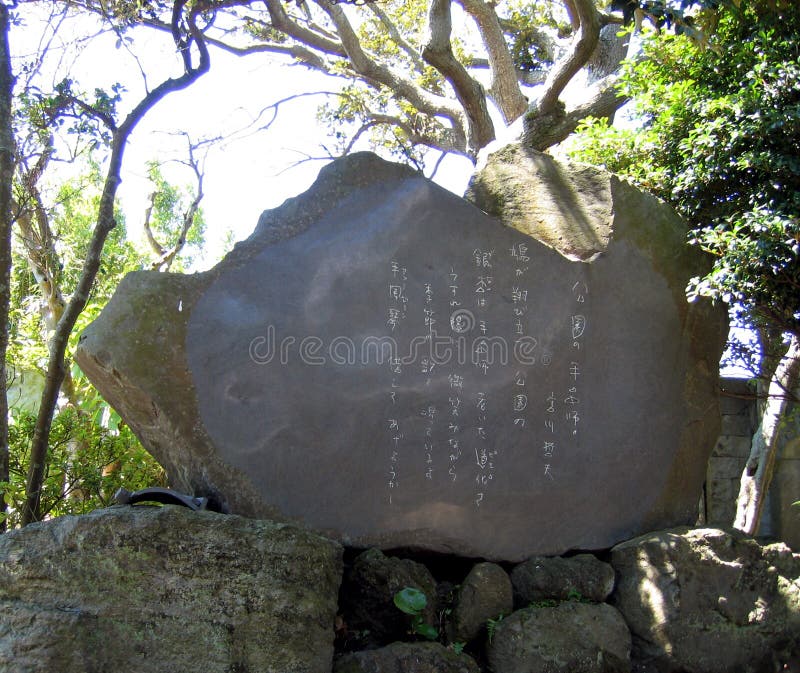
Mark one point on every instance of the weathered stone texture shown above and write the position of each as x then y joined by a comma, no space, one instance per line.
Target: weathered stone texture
708,601
577,368
484,594
166,590
407,658
581,576
569,638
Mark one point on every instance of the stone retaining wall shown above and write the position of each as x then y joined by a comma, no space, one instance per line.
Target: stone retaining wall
739,422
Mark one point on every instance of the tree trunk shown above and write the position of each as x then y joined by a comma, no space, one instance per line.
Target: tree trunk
6,174
760,466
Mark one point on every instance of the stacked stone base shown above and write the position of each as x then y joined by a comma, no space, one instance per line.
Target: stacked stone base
166,589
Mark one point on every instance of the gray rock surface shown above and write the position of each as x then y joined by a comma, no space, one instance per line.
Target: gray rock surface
484,594
407,658
582,576
367,597
166,590
385,363
708,601
569,638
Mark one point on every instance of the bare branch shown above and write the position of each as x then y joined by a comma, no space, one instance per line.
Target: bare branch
398,39
377,74
148,230
572,13
58,15
583,47
306,158
437,165
255,126
298,52
439,53
167,257
445,144
282,22
504,89
295,51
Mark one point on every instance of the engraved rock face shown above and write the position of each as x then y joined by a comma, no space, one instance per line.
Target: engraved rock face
386,363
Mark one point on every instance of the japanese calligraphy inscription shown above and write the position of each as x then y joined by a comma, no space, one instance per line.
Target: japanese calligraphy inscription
386,363
436,371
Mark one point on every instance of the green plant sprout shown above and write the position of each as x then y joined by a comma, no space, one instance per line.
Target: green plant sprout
491,626
575,595
413,602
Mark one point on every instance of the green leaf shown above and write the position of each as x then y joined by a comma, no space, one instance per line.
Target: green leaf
425,630
411,601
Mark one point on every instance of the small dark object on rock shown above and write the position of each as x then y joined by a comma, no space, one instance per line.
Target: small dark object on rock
165,496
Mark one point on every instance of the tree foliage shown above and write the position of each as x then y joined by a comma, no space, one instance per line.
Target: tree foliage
91,453
719,137
87,463
98,120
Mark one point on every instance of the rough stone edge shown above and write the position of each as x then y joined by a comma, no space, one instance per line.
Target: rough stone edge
159,292
694,316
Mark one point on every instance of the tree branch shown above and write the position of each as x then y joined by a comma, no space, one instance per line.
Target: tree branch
583,47
282,22
572,13
416,137
757,474
104,118
377,74
298,52
398,39
148,230
168,257
439,53
545,130
504,88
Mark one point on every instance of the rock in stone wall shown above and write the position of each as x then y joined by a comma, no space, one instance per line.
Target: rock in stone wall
166,590
558,578
730,453
406,658
708,601
570,637
384,362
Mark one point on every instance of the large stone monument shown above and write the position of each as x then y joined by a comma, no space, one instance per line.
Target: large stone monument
386,363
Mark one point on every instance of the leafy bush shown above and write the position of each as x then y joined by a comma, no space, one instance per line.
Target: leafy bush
718,140
87,464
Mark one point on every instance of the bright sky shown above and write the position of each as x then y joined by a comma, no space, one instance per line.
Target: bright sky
243,176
